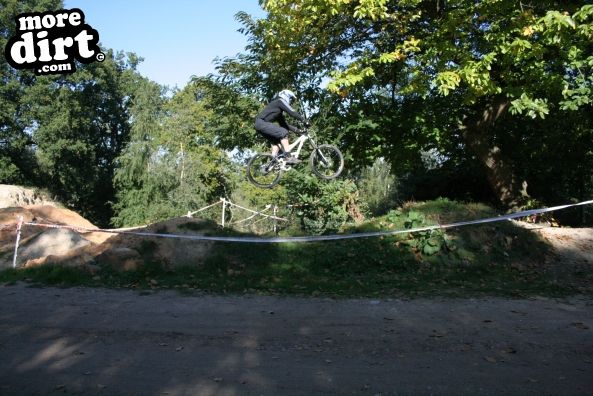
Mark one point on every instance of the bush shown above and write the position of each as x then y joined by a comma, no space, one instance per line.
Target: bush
378,187
323,206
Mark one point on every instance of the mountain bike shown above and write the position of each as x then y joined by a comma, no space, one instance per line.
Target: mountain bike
326,160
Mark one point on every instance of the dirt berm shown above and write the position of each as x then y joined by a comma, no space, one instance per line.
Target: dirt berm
83,248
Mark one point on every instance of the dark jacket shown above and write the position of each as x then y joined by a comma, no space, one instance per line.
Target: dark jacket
274,112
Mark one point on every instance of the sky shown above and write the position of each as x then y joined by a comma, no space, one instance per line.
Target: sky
176,38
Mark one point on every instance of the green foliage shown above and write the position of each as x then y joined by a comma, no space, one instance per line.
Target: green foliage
171,165
475,49
413,76
530,107
322,206
378,188
232,114
454,243
66,131
9,172
17,157
427,243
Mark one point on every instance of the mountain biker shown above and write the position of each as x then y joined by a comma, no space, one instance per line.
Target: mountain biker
276,134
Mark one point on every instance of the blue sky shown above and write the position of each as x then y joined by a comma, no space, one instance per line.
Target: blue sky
176,38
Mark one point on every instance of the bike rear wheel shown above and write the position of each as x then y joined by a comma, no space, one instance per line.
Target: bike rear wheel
264,170
327,161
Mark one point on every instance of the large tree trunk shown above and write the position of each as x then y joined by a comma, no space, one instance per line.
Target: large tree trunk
477,133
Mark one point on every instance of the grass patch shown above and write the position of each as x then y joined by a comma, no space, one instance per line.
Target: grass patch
49,275
497,259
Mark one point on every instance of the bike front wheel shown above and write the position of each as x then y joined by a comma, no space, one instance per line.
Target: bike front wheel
264,170
327,161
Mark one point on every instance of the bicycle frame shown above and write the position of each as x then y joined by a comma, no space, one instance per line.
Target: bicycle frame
324,157
300,142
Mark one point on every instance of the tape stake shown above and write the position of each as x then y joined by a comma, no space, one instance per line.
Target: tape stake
223,211
18,239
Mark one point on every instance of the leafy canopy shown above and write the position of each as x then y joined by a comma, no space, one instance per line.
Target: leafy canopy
532,54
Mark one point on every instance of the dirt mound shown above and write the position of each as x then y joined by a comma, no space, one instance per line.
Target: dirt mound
167,251
39,246
9,217
35,242
11,196
55,242
572,254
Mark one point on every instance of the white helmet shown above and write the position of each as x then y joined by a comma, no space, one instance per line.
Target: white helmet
287,96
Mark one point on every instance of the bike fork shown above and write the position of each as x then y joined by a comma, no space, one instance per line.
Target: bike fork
322,157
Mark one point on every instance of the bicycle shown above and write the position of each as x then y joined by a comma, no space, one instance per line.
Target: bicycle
326,160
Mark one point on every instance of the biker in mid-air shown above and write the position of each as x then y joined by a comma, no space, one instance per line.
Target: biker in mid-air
276,134
265,170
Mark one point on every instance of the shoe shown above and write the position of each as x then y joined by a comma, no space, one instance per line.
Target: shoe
292,160
265,169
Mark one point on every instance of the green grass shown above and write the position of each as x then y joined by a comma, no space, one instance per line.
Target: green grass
496,259
48,275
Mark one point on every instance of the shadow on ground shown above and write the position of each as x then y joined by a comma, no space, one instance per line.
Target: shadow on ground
117,342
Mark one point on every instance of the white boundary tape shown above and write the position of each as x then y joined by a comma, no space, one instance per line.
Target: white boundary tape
225,202
316,238
256,213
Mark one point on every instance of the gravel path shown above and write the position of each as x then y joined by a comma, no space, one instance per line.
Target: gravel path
111,342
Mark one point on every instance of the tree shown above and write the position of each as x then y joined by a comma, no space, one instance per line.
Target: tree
170,165
80,124
232,113
17,160
460,66
64,132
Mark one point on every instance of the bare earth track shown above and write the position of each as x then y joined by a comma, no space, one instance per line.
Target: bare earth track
83,341
572,253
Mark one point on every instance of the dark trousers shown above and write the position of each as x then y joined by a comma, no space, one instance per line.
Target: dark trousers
272,132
